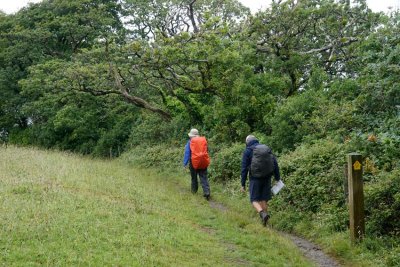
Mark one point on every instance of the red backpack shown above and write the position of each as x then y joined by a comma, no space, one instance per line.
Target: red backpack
199,153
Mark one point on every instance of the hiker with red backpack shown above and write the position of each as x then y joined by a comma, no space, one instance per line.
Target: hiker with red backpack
196,156
261,164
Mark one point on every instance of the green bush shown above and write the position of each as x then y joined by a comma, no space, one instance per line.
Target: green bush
382,147
113,141
160,157
288,123
151,130
226,163
314,175
382,204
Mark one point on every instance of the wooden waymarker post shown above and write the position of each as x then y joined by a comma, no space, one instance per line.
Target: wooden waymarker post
356,196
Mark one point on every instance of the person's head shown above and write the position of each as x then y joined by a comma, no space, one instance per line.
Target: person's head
193,133
250,138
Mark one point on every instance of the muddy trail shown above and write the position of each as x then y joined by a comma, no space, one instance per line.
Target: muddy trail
308,249
312,251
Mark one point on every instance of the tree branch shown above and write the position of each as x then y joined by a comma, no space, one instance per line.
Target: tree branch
191,16
139,102
97,92
330,46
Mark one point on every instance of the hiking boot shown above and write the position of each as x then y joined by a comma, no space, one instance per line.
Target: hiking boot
208,197
264,217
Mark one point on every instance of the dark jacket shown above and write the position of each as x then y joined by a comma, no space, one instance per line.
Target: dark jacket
246,161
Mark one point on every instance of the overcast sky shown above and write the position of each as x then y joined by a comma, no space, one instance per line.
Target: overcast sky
375,5
11,6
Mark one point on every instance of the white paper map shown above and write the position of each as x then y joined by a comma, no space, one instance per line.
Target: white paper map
277,187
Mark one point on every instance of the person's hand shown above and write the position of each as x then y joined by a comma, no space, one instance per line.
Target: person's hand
243,189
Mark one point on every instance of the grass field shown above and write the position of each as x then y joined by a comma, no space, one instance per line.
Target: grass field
60,209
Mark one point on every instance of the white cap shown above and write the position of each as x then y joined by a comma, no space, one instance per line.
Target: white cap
193,133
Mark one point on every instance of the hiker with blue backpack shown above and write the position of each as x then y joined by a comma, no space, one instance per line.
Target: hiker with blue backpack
196,156
259,162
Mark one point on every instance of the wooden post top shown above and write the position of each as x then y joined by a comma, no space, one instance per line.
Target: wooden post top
354,154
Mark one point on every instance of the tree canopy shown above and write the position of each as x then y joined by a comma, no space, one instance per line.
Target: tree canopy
74,71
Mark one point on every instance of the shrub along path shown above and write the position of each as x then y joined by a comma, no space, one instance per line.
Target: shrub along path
62,209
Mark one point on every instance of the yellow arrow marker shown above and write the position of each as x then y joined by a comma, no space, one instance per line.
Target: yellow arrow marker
357,165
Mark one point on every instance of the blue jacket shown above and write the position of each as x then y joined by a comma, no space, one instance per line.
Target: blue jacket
187,155
246,161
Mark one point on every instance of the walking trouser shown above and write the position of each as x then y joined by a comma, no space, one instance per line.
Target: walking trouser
203,180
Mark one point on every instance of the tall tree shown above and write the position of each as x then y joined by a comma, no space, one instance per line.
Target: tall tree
293,37
173,49
51,29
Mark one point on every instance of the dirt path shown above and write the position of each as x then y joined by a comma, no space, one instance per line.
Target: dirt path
309,250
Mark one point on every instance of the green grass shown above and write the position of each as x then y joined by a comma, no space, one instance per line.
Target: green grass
60,209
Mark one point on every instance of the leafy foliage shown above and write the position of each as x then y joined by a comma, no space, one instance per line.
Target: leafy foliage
314,79
383,204
157,157
314,175
225,163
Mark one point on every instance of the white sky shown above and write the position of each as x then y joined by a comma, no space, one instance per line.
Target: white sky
375,5
11,6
